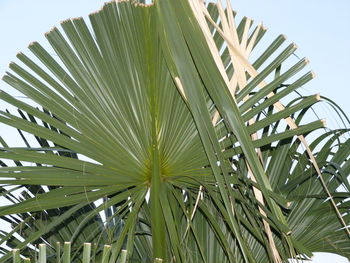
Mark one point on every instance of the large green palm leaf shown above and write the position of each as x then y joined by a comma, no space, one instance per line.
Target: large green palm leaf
143,102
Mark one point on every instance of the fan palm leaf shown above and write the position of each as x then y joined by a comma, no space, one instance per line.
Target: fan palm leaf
156,134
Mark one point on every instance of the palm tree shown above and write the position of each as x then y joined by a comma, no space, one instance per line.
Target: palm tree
155,133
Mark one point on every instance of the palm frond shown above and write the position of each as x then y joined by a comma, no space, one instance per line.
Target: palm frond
156,134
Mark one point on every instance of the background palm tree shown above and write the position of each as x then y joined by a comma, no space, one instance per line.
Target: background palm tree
158,113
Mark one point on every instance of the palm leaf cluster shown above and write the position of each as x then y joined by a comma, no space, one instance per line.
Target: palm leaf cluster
156,134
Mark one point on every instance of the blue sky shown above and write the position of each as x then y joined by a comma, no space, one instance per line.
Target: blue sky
319,27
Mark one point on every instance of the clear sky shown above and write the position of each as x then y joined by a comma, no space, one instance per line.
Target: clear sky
319,27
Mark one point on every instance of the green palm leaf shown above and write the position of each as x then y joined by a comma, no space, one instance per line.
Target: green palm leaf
156,135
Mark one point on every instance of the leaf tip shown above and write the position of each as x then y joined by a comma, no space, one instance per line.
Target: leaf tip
19,54
318,97
50,31
31,44
79,18
11,64
95,13
65,21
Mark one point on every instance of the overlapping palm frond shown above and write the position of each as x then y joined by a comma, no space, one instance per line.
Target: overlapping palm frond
158,135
